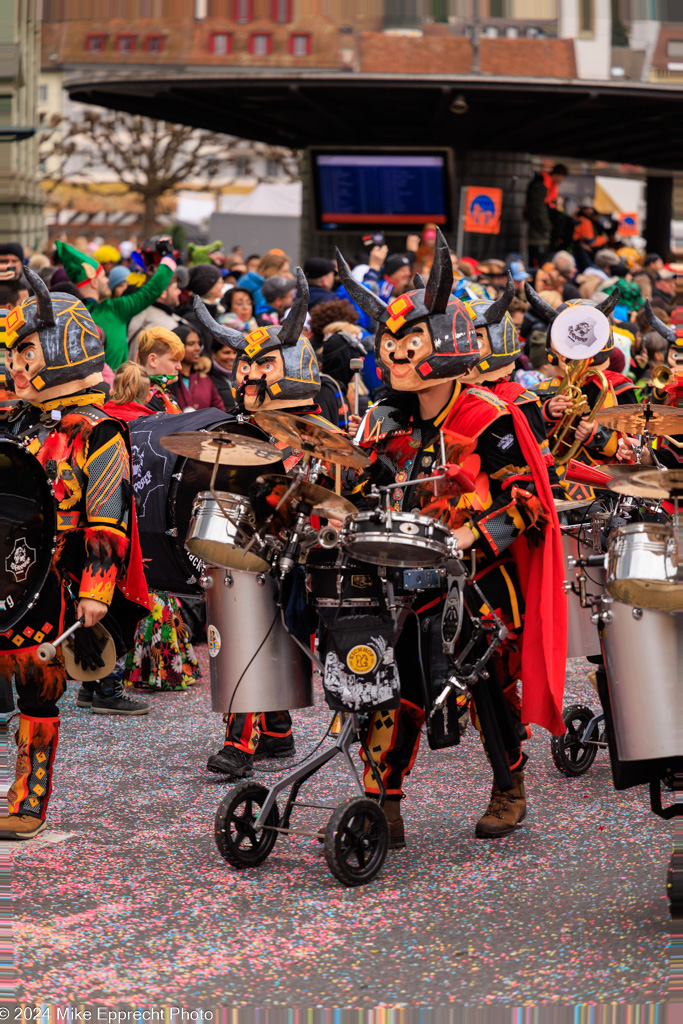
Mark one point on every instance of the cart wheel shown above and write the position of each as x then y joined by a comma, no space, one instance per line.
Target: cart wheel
674,886
570,755
237,840
356,841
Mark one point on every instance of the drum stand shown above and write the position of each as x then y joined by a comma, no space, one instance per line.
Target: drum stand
356,839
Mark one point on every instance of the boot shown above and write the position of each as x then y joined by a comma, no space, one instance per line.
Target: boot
505,812
29,794
109,699
274,746
232,762
397,834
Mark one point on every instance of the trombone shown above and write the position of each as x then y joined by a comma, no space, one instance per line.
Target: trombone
564,445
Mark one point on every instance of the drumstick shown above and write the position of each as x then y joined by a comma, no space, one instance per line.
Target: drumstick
47,651
337,478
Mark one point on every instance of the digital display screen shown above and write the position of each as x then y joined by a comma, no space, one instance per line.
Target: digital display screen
381,189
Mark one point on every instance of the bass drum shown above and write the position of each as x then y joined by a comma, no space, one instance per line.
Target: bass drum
28,527
166,486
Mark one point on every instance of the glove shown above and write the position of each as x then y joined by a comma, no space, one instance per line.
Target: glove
164,247
87,649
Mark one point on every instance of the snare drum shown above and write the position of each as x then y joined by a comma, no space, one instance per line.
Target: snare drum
401,539
642,566
219,532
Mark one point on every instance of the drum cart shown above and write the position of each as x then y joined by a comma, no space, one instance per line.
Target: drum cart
356,838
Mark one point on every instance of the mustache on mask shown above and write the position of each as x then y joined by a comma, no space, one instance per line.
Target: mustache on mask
260,394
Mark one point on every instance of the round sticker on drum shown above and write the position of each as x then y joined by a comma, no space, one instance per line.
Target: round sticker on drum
410,528
213,641
361,659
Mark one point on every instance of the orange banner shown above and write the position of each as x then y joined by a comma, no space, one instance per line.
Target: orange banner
482,210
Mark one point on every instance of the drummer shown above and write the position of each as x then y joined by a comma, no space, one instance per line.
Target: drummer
55,359
598,444
499,349
275,369
425,343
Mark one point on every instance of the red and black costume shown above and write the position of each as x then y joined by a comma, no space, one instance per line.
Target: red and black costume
86,457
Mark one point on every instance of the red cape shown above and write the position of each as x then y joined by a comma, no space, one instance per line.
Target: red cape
540,567
127,411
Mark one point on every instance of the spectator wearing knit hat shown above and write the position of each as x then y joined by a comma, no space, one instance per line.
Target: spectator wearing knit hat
320,276
279,294
206,281
11,261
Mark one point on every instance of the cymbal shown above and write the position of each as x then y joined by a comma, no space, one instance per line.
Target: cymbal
628,480
313,438
325,503
232,449
658,483
565,505
636,419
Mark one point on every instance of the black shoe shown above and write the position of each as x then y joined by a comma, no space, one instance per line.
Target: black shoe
85,695
231,761
274,746
109,699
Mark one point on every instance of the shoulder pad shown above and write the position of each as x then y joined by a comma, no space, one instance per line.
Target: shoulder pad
487,396
379,421
526,396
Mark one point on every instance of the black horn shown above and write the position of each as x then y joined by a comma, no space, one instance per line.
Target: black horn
293,324
497,310
658,325
418,282
440,283
362,296
539,305
43,300
235,339
609,302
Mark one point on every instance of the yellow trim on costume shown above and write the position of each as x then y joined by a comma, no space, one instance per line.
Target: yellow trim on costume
444,412
95,398
517,622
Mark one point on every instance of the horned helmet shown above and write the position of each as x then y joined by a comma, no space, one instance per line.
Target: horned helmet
68,355
424,336
501,335
295,376
671,335
547,313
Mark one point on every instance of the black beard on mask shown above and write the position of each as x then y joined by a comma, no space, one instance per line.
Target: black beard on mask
260,395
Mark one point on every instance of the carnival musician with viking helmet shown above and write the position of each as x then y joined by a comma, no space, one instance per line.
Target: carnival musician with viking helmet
579,390
503,510
55,358
275,370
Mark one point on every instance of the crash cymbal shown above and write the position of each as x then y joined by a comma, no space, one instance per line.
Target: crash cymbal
325,503
628,480
565,505
636,419
659,483
233,449
313,438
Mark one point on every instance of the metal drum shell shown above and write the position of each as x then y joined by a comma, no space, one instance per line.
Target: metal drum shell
641,569
643,653
403,540
253,667
219,540
583,640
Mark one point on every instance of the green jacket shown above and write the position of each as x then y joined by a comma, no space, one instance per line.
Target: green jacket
112,315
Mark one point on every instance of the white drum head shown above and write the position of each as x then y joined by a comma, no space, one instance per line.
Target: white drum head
579,332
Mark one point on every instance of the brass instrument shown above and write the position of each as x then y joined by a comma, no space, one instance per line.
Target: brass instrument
661,376
563,445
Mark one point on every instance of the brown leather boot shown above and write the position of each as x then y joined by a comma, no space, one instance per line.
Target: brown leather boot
505,812
21,826
397,834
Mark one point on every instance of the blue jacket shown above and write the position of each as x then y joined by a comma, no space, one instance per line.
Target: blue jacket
252,282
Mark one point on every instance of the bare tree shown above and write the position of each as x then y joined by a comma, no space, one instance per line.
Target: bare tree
151,158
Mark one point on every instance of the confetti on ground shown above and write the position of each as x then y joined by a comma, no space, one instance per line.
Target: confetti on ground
138,906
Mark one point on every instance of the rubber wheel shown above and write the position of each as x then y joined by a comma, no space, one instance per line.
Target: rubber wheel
237,840
356,841
570,755
674,886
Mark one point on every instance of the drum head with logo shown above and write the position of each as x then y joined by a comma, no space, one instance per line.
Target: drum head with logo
27,531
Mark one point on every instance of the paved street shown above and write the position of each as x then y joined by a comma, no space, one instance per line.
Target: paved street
126,899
